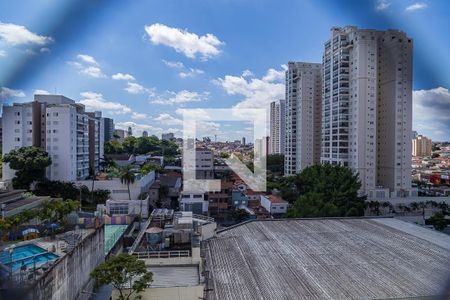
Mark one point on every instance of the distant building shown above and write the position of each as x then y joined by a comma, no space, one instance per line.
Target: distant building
129,131
415,134
1,134
277,127
274,204
144,133
204,163
108,127
421,146
303,116
168,136
121,135
96,139
58,125
243,141
194,202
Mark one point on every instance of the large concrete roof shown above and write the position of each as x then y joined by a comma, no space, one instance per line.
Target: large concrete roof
327,259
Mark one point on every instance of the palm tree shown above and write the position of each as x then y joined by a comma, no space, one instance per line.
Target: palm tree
127,177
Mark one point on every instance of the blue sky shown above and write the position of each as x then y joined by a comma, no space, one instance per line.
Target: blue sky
141,61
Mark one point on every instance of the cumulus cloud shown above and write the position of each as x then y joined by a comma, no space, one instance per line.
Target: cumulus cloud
6,93
258,93
135,88
180,97
167,119
190,73
382,5
3,53
95,101
13,35
431,113
87,65
416,6
122,76
173,64
138,116
247,73
187,43
41,92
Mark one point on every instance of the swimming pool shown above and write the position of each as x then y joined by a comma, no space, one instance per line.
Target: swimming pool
29,254
112,235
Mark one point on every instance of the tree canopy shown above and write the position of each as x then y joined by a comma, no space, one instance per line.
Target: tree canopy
326,191
29,164
275,163
126,273
142,145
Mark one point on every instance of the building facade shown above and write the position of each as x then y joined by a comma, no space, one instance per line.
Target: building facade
108,129
277,126
56,124
421,146
168,136
303,116
367,107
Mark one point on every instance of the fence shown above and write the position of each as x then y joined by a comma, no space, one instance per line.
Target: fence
162,254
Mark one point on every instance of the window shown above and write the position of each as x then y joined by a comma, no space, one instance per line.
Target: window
118,209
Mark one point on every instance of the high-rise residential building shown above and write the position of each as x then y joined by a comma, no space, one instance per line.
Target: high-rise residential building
422,146
243,141
108,125
129,131
277,126
168,136
367,107
96,139
121,134
415,134
303,116
144,133
56,124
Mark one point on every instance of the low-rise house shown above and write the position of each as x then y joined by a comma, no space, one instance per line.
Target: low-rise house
238,199
127,207
274,204
194,202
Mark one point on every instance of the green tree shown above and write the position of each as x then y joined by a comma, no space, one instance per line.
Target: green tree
438,221
434,155
275,163
127,274
325,191
29,164
127,177
129,145
239,215
113,147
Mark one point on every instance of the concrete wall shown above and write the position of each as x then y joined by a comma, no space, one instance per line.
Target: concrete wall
70,275
170,293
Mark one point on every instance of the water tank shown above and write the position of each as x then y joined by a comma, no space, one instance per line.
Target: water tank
154,235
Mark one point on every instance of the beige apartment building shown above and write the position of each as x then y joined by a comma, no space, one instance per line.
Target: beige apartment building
421,146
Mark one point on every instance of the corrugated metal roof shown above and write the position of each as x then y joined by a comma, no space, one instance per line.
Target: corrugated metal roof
326,258
172,276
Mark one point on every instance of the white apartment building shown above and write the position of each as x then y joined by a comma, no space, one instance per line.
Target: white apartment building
277,126
367,107
204,163
421,146
303,116
56,124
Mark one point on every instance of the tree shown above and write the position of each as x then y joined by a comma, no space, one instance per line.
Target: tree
435,155
127,177
29,164
239,215
113,147
275,163
129,145
126,273
325,191
438,221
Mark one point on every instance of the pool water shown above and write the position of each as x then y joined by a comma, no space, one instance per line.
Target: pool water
29,255
112,235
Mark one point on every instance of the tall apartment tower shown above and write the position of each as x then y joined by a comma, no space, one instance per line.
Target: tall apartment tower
108,125
56,124
421,146
302,116
277,127
367,107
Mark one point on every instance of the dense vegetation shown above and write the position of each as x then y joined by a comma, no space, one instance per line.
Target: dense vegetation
142,145
29,163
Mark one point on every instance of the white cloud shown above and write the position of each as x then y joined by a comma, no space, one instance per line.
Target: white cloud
41,92
138,116
87,65
247,73
173,64
10,93
167,119
44,50
87,59
95,72
3,53
382,5
191,73
416,6
14,35
139,128
190,44
258,93
431,113
181,97
135,88
122,76
95,101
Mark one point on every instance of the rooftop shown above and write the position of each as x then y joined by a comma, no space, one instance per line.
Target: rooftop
339,258
275,199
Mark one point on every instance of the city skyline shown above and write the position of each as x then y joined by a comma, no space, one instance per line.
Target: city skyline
142,73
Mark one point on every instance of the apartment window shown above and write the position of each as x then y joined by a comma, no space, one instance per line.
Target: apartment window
17,113
17,139
17,122
118,209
